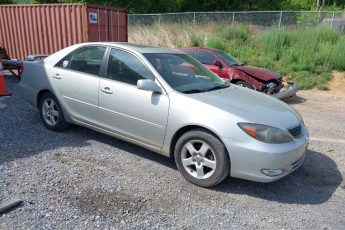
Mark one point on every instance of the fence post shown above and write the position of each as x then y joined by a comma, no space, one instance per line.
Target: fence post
280,19
332,20
233,19
159,20
193,18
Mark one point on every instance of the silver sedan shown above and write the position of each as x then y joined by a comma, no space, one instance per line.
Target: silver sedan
166,101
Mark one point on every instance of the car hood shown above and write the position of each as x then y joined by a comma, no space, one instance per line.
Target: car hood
260,73
251,106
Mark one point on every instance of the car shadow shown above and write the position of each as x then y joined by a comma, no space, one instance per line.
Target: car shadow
127,147
22,134
295,100
313,183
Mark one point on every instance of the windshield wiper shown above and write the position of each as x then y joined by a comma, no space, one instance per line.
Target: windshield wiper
219,87
225,85
193,91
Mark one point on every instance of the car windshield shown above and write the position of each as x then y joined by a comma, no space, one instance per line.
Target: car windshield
230,60
185,74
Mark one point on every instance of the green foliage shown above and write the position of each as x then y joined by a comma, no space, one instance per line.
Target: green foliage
275,41
162,6
298,4
308,19
306,55
6,2
197,40
46,1
238,32
216,43
307,80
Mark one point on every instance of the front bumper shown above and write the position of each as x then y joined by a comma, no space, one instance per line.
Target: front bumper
287,93
249,160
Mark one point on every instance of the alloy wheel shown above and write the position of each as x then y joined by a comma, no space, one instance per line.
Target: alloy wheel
50,112
198,159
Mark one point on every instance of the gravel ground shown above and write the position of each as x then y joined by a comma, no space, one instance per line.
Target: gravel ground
80,179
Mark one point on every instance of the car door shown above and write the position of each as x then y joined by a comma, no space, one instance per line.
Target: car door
208,59
76,82
126,110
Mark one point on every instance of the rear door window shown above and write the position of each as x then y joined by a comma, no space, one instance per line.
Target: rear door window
87,60
125,67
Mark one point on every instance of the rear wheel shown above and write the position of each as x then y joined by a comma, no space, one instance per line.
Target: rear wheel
244,84
202,158
51,113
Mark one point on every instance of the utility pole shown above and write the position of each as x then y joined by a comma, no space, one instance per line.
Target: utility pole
318,5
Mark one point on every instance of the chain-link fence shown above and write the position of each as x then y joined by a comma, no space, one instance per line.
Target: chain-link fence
262,19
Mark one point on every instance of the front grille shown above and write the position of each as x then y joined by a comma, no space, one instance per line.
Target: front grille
296,132
297,163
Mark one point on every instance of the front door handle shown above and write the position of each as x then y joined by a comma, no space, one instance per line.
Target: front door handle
106,90
57,76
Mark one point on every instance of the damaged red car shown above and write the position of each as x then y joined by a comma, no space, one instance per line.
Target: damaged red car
226,66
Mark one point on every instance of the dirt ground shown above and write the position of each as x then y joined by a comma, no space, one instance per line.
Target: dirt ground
337,84
324,115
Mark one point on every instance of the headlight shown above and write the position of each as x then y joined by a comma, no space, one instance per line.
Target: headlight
271,85
266,134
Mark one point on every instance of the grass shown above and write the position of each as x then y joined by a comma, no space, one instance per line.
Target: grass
306,56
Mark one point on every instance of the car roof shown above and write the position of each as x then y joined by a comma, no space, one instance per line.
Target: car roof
141,48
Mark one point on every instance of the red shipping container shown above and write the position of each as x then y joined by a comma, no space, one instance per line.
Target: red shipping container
47,28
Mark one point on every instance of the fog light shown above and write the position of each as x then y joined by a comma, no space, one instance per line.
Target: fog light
272,172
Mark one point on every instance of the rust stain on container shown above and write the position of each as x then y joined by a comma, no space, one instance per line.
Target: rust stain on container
47,28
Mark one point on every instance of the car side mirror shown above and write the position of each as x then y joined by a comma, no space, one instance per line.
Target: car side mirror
149,85
219,64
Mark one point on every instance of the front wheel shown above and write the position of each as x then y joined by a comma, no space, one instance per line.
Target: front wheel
51,113
202,158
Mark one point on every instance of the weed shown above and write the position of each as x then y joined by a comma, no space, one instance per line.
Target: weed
307,55
197,40
216,43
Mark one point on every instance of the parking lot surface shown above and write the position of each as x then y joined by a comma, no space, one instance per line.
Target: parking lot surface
80,179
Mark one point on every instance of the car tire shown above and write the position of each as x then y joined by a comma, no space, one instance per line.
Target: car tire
244,84
51,113
202,158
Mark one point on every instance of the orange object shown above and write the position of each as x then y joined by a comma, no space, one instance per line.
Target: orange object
3,91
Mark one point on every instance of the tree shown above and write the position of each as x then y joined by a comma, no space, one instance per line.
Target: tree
163,6
6,2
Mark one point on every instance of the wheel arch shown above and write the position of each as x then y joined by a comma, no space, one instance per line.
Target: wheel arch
234,81
40,94
186,129
64,121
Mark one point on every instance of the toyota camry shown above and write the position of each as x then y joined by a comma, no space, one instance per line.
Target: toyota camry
168,102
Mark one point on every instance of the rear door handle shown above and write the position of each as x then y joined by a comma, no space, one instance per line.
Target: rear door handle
106,90
57,76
